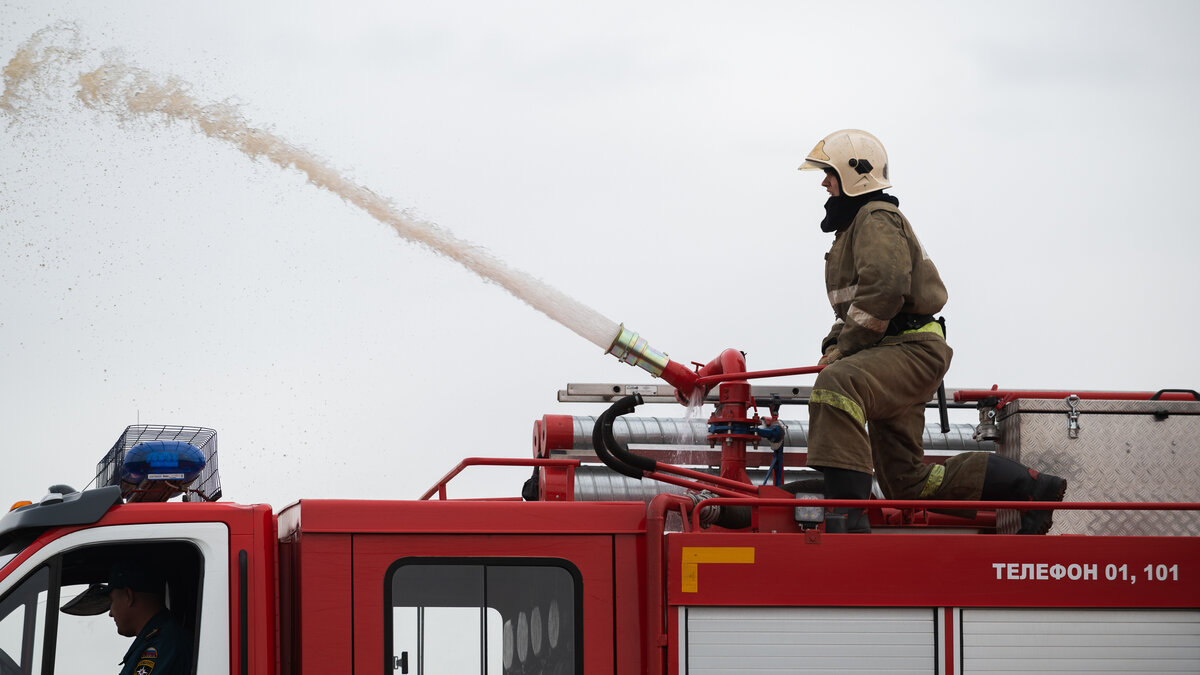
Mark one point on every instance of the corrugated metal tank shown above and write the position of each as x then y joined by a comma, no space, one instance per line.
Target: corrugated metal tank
683,441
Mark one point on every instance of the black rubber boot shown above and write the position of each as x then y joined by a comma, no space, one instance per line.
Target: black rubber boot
1006,480
846,484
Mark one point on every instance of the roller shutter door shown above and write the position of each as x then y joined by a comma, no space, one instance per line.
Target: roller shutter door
808,640
1080,641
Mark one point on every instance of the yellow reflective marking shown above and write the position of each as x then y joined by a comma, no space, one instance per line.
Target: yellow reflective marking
931,327
843,403
934,481
693,556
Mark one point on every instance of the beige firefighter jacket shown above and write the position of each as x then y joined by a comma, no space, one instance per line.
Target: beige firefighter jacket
876,270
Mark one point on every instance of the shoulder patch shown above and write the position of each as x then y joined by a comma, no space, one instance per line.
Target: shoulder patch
144,667
150,653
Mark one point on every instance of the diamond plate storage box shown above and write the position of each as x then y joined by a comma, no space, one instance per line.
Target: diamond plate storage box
1118,451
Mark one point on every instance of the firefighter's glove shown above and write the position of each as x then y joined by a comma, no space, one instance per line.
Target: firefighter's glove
832,354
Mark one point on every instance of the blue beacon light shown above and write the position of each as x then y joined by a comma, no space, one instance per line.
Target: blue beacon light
176,461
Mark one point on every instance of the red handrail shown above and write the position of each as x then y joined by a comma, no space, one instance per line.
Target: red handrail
945,504
440,486
1006,395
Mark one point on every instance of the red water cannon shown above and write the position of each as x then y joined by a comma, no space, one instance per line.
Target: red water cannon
731,426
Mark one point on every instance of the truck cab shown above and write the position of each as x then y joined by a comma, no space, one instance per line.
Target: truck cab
59,549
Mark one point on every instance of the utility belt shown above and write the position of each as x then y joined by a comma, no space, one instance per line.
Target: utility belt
916,323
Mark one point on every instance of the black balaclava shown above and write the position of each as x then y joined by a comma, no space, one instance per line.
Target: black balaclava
840,210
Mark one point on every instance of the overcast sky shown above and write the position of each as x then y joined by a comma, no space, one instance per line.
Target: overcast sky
638,156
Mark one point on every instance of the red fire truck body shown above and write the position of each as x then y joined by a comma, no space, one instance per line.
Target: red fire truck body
563,585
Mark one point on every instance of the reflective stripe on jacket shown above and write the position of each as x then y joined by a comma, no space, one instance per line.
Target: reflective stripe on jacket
875,270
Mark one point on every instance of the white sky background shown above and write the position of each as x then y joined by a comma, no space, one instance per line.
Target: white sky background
640,157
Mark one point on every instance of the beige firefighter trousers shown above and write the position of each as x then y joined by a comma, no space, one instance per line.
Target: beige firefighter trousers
867,412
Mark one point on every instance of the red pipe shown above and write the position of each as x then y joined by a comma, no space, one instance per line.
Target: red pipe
1006,395
715,484
744,486
947,503
683,379
730,368
728,362
654,649
757,374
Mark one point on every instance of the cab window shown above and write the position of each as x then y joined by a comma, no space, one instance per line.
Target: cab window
36,638
494,616
23,625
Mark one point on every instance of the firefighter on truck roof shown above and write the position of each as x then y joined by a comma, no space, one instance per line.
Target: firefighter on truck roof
134,598
887,354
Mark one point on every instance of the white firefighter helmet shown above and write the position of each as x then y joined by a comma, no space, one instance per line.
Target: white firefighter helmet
858,158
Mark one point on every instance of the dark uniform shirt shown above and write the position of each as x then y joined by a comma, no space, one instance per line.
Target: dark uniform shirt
163,647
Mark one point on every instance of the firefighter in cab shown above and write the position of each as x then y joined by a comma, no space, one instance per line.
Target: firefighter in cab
134,598
887,354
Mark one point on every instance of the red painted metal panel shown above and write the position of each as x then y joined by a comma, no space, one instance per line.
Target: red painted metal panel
264,593
288,584
259,544
556,432
326,624
629,601
930,570
557,483
364,516
240,518
592,555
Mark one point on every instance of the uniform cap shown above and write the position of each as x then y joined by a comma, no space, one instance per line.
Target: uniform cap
95,600
124,574
137,576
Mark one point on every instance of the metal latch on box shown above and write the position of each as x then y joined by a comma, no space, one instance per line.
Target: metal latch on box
1073,417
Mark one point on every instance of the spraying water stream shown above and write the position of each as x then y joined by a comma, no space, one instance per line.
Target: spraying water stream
54,55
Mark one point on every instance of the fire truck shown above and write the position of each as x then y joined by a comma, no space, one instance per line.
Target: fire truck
648,544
